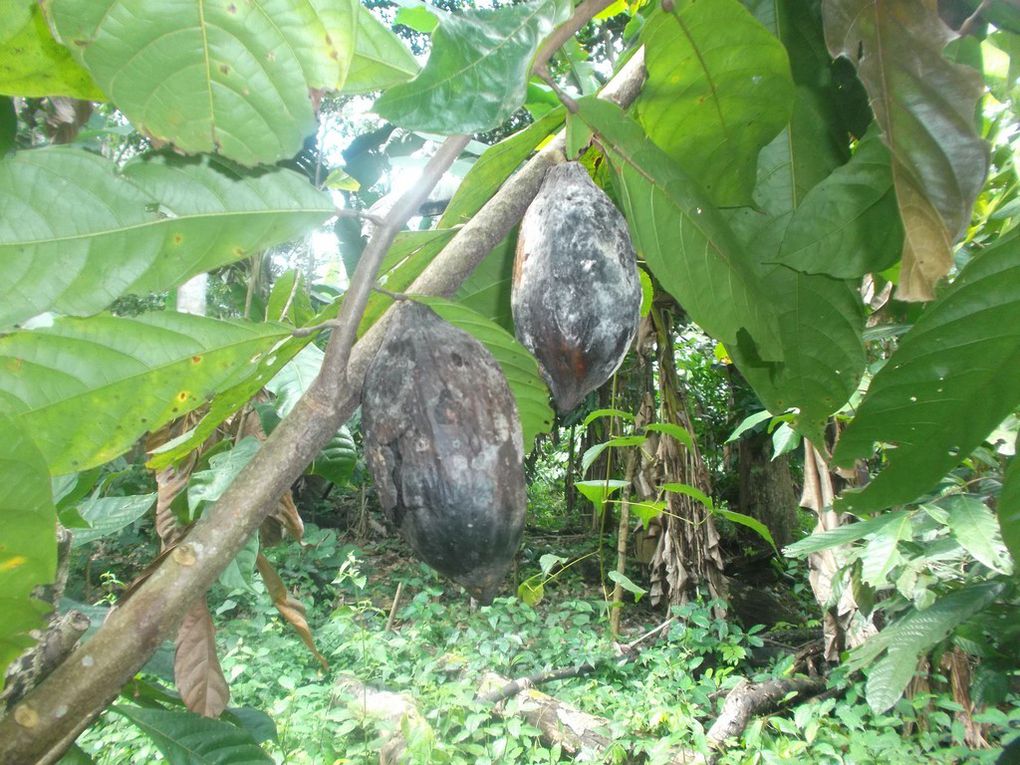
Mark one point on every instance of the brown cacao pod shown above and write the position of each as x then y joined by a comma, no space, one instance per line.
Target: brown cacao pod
576,295
443,441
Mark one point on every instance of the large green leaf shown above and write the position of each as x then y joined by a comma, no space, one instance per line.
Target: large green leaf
820,318
848,225
105,515
487,289
185,738
380,59
912,635
494,166
28,550
925,105
951,381
34,64
88,388
228,77
842,535
519,367
477,73
684,240
719,89
76,232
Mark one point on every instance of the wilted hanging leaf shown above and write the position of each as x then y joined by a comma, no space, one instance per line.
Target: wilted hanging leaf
290,608
925,105
197,670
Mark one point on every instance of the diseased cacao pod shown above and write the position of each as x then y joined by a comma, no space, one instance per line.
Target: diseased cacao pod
576,295
443,441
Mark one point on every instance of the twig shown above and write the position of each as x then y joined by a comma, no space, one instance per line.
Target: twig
315,328
970,21
390,294
583,13
346,212
396,604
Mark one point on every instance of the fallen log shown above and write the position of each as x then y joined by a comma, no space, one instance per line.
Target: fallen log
579,734
748,699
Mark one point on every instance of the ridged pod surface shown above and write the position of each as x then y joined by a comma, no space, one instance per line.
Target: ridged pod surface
443,441
576,295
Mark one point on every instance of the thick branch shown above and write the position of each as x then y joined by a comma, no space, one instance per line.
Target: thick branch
582,14
93,675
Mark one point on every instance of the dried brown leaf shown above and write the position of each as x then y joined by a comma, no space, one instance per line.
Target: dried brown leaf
290,608
197,670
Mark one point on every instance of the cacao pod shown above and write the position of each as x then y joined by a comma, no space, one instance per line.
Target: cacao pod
576,295
444,444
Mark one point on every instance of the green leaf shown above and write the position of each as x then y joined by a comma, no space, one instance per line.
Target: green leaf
549,561
820,319
231,398
647,510
240,572
784,439
519,367
291,382
719,89
1009,507
948,385
881,554
975,528
628,585
207,486
417,17
912,635
337,459
105,515
684,241
28,551
289,300
531,592
925,106
599,414
592,453
88,388
842,535
185,738
677,432
690,491
8,126
597,492
380,59
76,232
746,520
226,77
487,290
749,422
495,166
477,73
848,225
34,64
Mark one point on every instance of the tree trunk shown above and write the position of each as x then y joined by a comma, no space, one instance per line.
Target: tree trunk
766,488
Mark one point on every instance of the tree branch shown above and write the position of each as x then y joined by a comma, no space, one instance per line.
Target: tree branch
583,13
77,691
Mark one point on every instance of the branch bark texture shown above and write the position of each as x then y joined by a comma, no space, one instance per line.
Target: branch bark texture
47,720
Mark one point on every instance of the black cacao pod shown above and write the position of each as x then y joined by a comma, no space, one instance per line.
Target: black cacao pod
443,441
576,295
